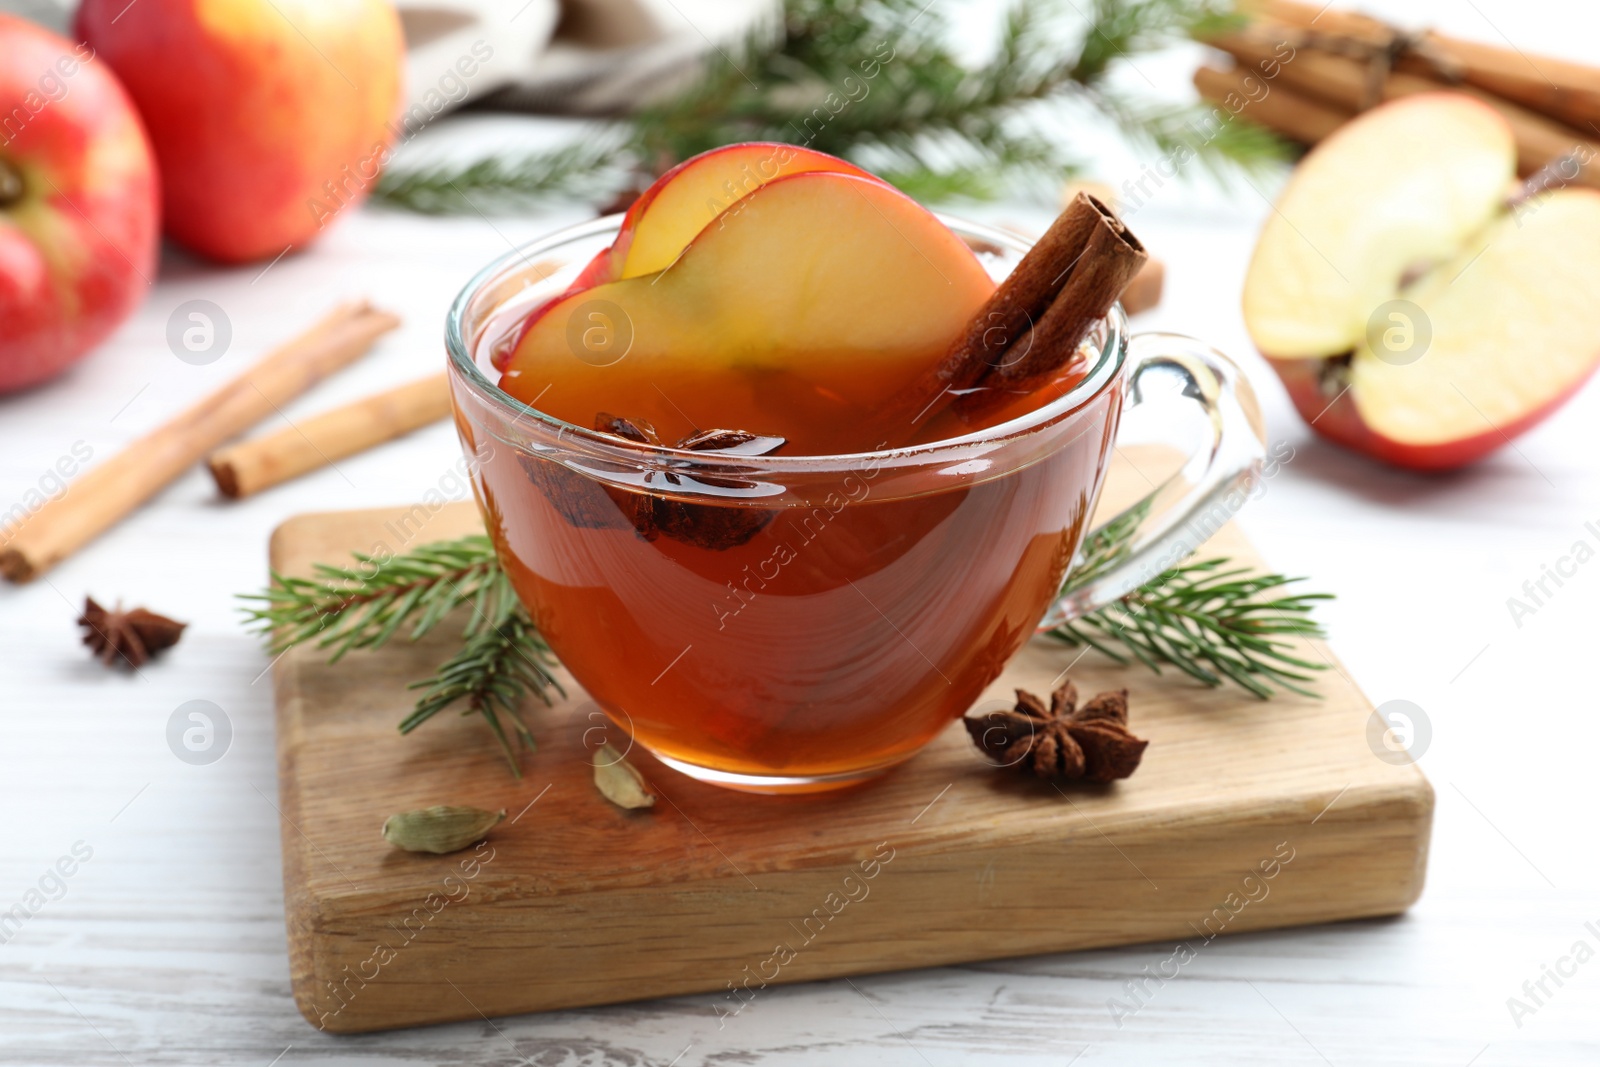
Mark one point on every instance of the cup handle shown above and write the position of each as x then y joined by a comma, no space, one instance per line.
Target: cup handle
1156,533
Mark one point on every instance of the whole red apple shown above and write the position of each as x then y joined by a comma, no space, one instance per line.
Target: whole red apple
269,117
78,203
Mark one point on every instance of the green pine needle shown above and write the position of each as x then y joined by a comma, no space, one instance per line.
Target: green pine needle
496,668
499,185
931,124
1213,623
503,657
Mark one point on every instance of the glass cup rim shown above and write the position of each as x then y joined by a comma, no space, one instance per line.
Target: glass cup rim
1112,357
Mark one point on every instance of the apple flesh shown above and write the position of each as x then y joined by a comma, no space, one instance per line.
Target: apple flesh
683,201
1408,182
268,117
78,204
805,311
1409,202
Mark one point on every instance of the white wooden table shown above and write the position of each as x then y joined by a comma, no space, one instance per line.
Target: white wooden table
167,944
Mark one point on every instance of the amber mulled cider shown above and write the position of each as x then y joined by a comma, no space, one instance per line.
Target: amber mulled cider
731,475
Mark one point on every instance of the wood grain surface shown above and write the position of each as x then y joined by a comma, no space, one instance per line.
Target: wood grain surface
1243,817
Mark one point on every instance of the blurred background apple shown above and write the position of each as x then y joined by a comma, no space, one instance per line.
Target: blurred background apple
78,204
1417,308
269,117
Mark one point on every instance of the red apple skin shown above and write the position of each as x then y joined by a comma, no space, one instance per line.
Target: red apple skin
597,272
1341,423
268,117
78,248
608,266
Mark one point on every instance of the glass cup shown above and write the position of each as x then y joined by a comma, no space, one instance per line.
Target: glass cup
800,623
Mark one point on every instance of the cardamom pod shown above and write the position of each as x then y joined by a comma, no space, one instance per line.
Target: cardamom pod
439,829
619,781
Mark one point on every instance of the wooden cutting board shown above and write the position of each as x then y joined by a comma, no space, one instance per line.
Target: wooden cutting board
1244,816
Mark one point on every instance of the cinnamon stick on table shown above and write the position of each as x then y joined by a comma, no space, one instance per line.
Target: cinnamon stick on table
1036,319
1344,83
262,462
1283,111
107,493
1560,89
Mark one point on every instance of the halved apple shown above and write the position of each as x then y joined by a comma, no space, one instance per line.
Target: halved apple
683,201
803,312
1410,313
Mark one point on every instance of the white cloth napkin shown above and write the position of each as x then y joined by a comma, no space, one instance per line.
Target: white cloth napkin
575,56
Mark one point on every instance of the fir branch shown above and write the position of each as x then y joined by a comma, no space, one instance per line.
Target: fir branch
1183,132
496,668
1121,29
503,658
498,184
362,606
878,82
1214,623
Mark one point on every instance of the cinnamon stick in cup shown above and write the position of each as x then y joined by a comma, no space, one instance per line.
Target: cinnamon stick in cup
109,492
1036,319
262,462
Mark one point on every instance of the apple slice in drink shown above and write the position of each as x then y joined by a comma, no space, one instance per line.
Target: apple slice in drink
802,313
685,200
1411,314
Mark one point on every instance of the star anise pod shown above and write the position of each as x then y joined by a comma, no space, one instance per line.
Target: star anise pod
1091,743
131,636
710,526
639,508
